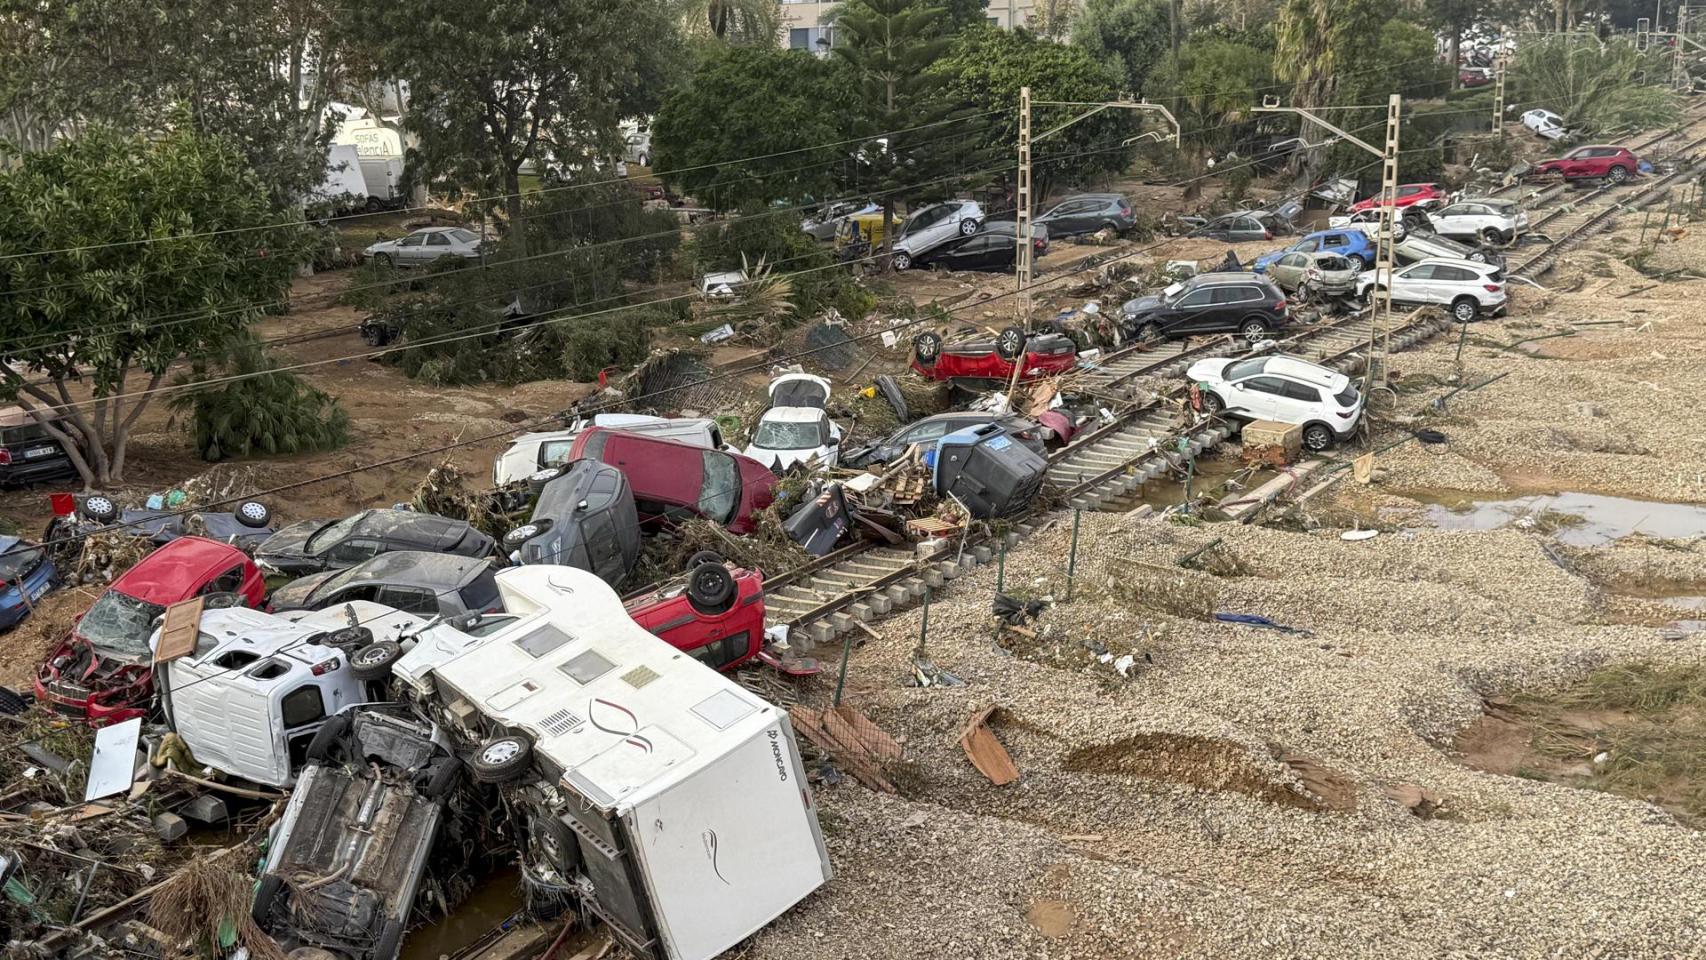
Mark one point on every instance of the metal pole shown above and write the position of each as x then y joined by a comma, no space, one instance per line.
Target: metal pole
1001,568
1022,201
1499,92
1646,217
841,681
1072,558
1383,251
1458,360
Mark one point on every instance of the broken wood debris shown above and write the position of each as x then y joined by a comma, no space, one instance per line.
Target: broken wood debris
851,740
985,751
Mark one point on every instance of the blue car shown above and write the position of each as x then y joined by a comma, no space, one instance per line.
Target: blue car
1351,244
26,574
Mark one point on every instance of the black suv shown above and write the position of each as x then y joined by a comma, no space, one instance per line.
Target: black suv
27,454
1242,303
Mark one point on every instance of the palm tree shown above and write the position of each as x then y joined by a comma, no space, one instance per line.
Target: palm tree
733,21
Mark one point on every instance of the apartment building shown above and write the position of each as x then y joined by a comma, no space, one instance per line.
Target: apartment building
804,27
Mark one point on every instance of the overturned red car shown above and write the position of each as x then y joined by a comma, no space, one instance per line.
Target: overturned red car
103,671
989,361
715,616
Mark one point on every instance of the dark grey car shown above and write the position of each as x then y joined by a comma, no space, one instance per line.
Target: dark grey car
1244,226
927,430
1088,213
315,545
413,581
584,517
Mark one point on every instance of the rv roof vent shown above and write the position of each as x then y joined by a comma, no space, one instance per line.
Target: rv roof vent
640,676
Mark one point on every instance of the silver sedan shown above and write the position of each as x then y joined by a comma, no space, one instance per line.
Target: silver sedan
424,246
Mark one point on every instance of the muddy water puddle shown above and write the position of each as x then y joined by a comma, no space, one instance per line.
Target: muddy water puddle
1576,519
496,899
1209,476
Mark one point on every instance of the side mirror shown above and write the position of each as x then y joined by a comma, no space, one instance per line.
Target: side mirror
833,442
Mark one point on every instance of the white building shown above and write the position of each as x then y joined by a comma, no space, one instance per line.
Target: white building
804,29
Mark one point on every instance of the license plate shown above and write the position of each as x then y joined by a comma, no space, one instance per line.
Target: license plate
38,591
35,452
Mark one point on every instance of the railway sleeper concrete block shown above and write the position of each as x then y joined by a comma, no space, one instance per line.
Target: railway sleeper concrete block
896,594
879,603
841,622
1083,503
931,576
816,633
949,569
982,553
862,611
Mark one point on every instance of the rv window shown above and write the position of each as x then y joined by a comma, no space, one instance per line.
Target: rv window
302,705
543,641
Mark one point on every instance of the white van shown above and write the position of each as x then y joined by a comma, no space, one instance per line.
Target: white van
532,452
249,698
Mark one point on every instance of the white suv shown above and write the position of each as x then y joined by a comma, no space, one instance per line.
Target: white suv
1468,289
1282,389
1479,220
933,226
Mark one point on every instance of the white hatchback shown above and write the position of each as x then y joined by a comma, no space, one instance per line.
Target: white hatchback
796,428
1545,124
1281,389
933,226
1481,220
1467,288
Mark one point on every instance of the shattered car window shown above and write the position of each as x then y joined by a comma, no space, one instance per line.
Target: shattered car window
776,435
120,624
18,562
719,493
333,534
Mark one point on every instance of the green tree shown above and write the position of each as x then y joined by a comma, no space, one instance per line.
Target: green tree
496,86
733,21
120,257
988,65
1130,36
260,409
1404,62
1214,82
916,142
1453,18
1592,85
1319,44
789,109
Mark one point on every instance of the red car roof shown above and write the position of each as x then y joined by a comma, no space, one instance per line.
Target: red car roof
177,570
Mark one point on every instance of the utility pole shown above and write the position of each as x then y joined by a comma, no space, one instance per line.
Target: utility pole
1381,307
1499,91
1023,260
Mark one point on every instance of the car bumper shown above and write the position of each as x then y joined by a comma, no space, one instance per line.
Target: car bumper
24,472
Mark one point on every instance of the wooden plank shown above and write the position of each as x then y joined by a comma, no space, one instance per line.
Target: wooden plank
179,630
986,752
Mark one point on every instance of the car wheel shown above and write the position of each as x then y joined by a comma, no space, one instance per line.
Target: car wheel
253,513
1212,405
503,758
349,638
1478,256
537,480
265,896
1149,333
1357,262
100,509
1617,174
902,260
1464,309
383,259
1010,343
969,226
1492,236
326,738
711,588
373,662
522,534
702,557
1317,437
927,347
373,334
1253,330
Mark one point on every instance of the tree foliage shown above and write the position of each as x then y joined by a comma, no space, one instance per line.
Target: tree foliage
497,85
1129,36
123,256
1322,47
789,108
755,22
988,65
775,239
259,410
1213,81
1593,85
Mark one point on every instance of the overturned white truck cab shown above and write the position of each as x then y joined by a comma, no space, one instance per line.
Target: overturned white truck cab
663,797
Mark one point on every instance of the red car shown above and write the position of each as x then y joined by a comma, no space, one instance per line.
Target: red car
1593,162
1045,355
1421,195
103,670
716,616
671,479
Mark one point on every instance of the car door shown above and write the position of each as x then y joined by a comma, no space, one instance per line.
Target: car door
354,550
1249,228
411,250
1256,397
1072,217
1297,402
437,245
1191,313
1287,271
1449,283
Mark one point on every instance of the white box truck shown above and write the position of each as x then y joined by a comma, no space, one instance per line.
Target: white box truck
665,798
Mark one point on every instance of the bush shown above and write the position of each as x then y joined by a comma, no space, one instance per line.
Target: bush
776,239
267,411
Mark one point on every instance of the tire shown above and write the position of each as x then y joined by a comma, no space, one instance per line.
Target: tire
349,638
523,533
373,662
1010,343
711,589
12,702
901,260
326,738
441,778
253,514
537,480
1110,225
704,556
1492,236
927,347
265,895
100,509
384,260
1618,174
1149,333
1478,256
1212,405
502,759
373,204
1464,309
970,226
373,335
390,941
1318,437
1254,330
1357,262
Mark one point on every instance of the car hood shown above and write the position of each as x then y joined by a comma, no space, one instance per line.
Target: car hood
1141,305
1261,262
1206,369
780,460
290,542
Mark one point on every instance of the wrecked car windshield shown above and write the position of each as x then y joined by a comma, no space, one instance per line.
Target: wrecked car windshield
19,561
120,624
333,534
777,435
719,492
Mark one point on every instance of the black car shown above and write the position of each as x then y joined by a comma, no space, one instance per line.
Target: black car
27,454
1243,303
982,251
584,517
927,430
424,584
315,545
